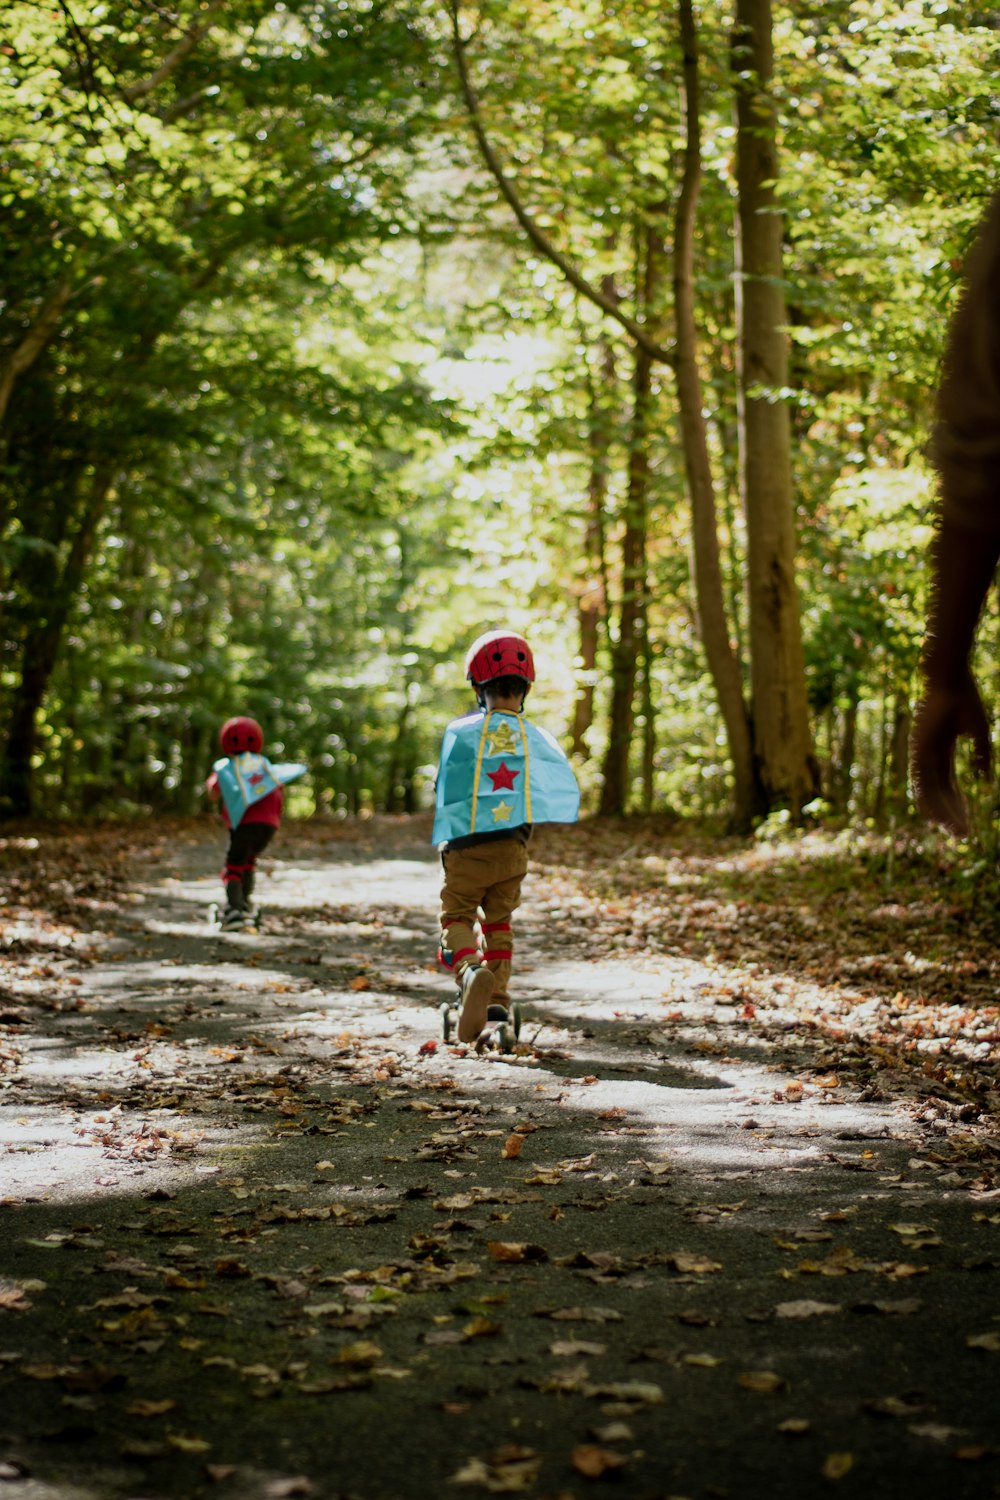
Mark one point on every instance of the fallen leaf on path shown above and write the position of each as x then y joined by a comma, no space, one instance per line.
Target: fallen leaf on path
516,1252
510,1470
806,1308
988,1341
895,1406
362,1352
512,1146
766,1382
837,1465
186,1443
571,1348
593,1461
692,1265
643,1392
581,1315
143,1408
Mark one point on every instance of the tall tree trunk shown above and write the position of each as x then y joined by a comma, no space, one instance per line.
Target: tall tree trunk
40,653
648,713
842,767
713,623
625,649
786,765
592,599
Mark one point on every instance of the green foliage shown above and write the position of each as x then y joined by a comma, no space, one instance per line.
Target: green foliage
309,413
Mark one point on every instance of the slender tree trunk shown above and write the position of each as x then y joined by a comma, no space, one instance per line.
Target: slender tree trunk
625,649
648,714
40,653
899,753
592,600
842,771
713,623
786,765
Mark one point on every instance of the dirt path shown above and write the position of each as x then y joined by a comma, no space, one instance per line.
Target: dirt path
264,1234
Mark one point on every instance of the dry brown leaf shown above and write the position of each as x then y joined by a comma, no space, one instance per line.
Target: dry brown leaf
988,1341
361,1352
837,1465
571,1348
692,1265
593,1461
806,1308
512,1147
516,1252
186,1443
141,1408
766,1382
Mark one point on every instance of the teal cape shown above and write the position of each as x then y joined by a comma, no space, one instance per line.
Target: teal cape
245,779
498,771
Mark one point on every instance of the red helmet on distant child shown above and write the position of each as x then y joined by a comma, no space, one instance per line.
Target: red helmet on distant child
238,735
499,653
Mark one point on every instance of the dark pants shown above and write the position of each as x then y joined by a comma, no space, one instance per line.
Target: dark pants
246,842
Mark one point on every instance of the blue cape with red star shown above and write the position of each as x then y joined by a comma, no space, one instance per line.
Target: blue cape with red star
498,771
244,779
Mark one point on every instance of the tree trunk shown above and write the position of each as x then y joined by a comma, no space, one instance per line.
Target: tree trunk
40,653
842,769
592,600
648,714
786,766
625,649
713,623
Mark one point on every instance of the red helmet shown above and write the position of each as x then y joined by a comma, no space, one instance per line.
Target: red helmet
237,735
499,653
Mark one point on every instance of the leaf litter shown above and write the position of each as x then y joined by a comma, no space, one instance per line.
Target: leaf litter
394,1295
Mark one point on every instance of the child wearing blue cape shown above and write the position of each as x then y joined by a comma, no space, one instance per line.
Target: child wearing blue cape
498,775
252,794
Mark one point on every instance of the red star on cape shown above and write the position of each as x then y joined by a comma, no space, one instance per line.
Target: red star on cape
503,777
256,778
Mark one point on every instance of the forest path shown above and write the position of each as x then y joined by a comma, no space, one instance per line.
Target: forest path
264,1234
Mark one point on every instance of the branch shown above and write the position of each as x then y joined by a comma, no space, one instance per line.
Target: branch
34,342
133,91
607,303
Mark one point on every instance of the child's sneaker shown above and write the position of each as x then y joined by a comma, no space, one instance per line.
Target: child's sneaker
476,988
233,917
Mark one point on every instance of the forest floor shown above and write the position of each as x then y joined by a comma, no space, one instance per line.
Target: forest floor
726,1224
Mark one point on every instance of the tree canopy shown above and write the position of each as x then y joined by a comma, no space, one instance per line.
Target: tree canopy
334,331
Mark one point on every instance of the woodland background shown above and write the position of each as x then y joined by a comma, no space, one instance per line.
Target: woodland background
334,331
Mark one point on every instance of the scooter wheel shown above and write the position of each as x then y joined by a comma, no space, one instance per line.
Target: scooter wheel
516,1017
447,1019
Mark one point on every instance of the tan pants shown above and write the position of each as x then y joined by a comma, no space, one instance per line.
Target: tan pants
482,889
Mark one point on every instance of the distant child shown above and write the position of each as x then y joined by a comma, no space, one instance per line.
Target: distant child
252,793
498,775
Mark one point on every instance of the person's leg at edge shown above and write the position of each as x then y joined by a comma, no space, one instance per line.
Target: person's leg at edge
262,834
499,904
461,894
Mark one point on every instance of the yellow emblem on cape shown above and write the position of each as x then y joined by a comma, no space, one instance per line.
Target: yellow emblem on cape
501,741
502,812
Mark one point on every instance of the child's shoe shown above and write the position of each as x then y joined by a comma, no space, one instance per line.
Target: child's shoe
476,987
233,917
